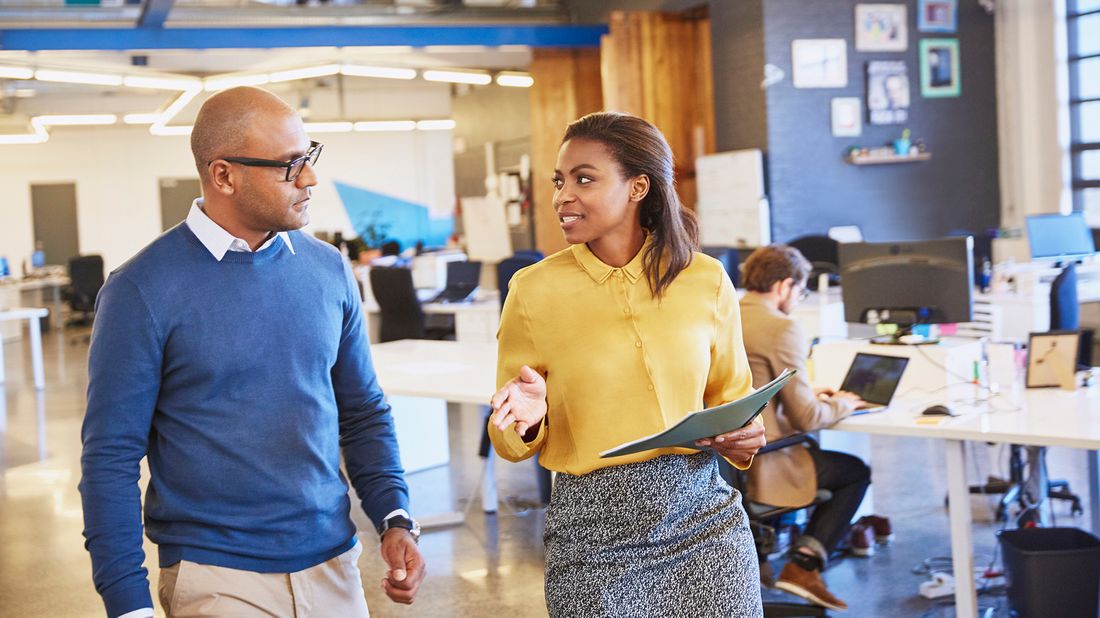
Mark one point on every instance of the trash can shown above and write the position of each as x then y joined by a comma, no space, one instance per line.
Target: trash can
1051,571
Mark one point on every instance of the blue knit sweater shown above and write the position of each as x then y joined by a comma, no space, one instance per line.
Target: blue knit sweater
242,380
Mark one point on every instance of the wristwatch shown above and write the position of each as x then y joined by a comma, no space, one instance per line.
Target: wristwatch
400,521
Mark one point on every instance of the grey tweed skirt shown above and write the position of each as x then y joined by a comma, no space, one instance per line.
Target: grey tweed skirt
665,537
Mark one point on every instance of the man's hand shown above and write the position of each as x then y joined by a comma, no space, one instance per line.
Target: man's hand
406,571
739,445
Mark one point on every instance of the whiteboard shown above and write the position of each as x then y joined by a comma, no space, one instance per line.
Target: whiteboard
487,235
733,208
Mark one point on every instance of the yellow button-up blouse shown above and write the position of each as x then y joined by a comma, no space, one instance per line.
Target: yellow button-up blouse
619,364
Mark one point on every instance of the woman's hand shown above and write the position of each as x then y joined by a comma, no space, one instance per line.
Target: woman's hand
739,445
522,400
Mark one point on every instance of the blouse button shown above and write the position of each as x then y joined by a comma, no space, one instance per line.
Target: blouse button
637,344
627,311
649,387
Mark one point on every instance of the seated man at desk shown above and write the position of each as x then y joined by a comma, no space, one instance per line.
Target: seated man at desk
775,279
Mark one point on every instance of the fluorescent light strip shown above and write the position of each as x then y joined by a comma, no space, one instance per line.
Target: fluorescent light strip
458,77
385,125
74,119
435,125
16,73
305,73
141,118
38,137
212,84
75,77
328,127
160,83
159,127
515,79
358,70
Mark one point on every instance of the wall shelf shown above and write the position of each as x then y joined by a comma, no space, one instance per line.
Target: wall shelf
887,158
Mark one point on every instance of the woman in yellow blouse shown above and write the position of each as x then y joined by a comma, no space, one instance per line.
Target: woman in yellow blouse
616,338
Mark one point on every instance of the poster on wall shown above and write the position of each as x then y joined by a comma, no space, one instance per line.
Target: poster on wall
887,92
847,117
939,68
881,27
937,15
819,63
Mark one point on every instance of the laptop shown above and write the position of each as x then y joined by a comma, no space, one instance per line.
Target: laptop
875,379
462,281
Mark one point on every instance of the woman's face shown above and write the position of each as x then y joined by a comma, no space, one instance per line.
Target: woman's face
593,201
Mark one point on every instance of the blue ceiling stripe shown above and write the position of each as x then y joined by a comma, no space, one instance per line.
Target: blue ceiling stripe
154,13
321,36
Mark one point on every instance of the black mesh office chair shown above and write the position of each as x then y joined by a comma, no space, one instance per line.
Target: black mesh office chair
1064,315
85,279
763,516
402,315
823,254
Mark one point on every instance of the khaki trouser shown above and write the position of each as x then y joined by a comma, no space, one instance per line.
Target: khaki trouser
332,588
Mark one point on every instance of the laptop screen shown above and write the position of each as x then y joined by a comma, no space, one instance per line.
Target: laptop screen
463,274
874,377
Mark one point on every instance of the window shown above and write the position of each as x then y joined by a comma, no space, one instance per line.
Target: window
1084,108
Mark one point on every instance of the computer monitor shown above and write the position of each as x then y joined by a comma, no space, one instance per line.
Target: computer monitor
907,283
1059,237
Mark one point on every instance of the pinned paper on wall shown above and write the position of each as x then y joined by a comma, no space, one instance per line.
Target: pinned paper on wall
487,236
733,208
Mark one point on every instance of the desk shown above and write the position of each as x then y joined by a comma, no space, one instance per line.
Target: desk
32,315
1038,417
475,321
13,294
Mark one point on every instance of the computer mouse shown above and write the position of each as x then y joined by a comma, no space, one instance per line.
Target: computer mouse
937,410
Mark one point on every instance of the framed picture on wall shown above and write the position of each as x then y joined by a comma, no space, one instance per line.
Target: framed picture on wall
819,63
939,68
847,117
882,27
887,92
937,15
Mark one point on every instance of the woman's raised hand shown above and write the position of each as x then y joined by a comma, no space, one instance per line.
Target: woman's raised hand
522,400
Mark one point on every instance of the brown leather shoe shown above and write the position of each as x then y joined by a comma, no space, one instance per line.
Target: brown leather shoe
808,585
884,532
861,540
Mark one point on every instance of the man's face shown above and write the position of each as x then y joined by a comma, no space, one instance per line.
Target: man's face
792,293
266,200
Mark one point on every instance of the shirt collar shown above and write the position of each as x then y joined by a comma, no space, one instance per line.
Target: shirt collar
214,237
600,271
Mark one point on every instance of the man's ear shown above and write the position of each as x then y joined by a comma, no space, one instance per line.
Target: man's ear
639,188
223,178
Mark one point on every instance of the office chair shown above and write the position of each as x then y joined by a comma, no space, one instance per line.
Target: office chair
506,268
762,517
1065,314
85,279
730,260
823,253
402,315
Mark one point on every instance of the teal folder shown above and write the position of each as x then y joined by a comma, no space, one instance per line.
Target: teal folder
707,423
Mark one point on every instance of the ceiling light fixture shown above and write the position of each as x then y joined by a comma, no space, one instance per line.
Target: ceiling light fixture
212,84
141,118
515,79
160,83
160,126
328,127
74,119
39,136
458,77
77,77
358,70
435,125
16,73
304,73
385,125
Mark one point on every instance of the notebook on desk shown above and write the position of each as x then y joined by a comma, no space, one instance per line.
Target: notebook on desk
875,378
462,282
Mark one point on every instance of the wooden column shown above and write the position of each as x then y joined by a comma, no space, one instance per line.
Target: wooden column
658,66
567,86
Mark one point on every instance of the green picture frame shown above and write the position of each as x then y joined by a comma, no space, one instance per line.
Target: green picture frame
940,74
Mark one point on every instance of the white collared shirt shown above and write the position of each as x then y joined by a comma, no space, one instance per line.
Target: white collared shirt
218,241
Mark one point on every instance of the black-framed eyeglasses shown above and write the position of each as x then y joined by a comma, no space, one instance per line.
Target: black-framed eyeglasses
293,167
803,293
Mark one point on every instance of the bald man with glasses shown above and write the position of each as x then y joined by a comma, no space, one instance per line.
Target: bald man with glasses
231,352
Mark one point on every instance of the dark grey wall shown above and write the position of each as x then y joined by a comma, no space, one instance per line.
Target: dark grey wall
810,186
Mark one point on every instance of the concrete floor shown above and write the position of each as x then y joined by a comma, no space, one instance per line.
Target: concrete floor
490,566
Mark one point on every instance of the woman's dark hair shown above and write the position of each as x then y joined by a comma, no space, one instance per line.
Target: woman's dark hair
640,148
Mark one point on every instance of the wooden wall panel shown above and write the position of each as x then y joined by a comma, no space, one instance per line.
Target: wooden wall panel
567,86
658,66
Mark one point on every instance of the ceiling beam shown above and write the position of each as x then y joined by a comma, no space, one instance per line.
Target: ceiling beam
322,36
154,13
